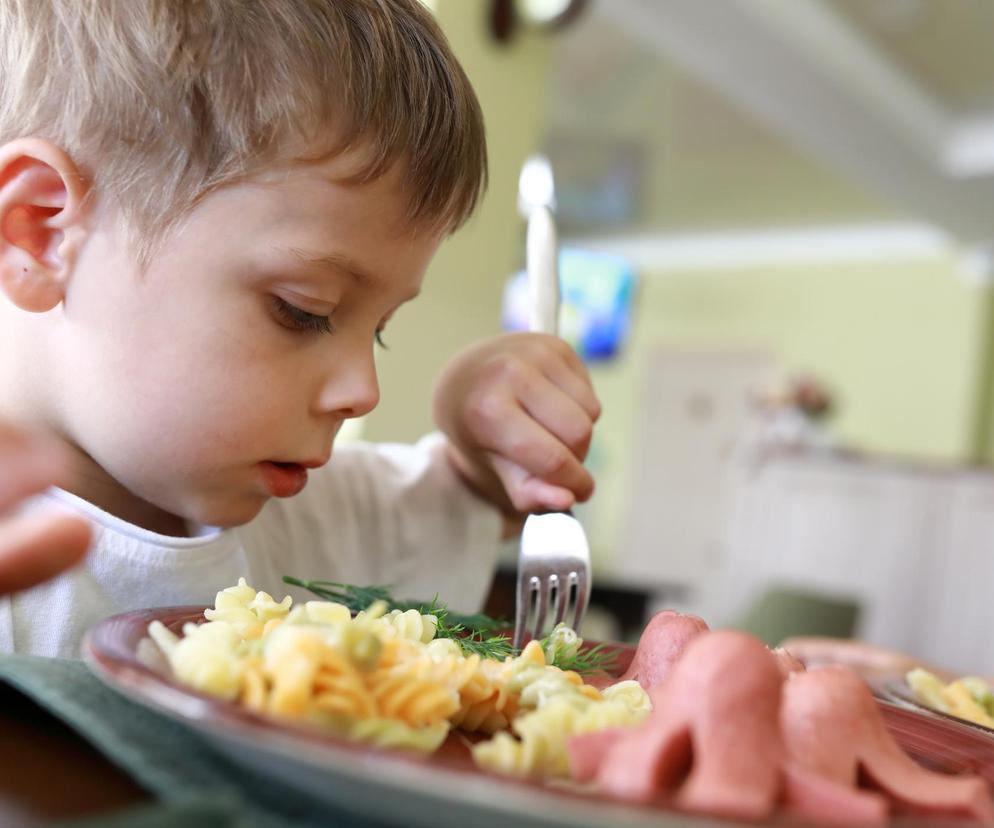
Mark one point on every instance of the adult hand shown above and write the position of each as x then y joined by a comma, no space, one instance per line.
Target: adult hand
36,545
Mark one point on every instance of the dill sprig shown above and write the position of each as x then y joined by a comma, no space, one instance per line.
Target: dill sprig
596,659
354,597
473,633
476,634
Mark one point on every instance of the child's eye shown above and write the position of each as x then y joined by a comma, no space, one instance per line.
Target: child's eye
380,342
290,316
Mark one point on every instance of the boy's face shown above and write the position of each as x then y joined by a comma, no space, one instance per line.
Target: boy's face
244,346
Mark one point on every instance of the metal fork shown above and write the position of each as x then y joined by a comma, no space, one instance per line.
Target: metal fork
553,570
554,562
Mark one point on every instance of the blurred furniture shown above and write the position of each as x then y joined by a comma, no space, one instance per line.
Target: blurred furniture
694,407
912,544
782,612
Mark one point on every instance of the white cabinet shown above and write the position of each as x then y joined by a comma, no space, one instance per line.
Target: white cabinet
693,408
914,545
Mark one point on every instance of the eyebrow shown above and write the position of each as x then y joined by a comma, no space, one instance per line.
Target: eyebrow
335,261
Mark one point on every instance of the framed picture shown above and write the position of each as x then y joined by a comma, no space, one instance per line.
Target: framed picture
597,182
597,291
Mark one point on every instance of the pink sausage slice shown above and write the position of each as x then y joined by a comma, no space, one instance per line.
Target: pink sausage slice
815,799
661,644
587,752
786,662
832,729
712,737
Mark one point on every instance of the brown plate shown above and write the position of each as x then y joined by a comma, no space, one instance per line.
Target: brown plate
445,788
898,690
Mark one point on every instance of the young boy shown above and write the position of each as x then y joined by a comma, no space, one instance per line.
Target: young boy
208,213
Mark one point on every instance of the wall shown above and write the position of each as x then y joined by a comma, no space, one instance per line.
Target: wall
901,344
904,344
461,298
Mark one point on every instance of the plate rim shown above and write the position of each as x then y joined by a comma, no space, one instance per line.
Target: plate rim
121,669
897,689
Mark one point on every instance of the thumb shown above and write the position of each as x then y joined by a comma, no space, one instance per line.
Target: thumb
36,547
29,463
528,493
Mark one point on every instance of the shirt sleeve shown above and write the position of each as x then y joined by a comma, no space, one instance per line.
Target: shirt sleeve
397,515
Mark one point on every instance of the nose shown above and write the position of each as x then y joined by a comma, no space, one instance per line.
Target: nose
349,387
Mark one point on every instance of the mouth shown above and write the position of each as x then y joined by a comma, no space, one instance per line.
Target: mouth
284,479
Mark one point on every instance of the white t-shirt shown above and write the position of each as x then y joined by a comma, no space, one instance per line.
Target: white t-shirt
386,514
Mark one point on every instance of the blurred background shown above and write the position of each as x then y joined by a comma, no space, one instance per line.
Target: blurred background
777,220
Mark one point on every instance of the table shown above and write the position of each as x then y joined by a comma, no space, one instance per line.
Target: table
51,773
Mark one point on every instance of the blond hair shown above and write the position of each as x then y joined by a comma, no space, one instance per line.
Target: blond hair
162,101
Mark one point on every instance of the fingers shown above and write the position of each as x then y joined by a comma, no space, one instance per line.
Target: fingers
29,463
558,413
542,459
37,546
528,493
521,407
533,413
563,366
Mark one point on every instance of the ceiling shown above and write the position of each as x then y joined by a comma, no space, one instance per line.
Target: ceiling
821,111
942,45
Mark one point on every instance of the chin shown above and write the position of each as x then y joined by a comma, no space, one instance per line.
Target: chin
229,514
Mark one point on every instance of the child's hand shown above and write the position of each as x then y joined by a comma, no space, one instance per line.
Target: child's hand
519,411
36,546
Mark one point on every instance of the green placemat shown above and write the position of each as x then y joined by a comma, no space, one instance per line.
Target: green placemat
194,784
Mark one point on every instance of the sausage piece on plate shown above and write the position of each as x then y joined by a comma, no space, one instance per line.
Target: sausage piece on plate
660,646
832,729
712,739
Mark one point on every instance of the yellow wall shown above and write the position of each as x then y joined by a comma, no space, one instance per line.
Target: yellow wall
461,299
901,344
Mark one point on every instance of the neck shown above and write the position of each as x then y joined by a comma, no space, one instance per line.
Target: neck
27,377
21,386
92,483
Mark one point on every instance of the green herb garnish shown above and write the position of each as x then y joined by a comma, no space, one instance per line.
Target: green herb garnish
562,650
587,662
476,634
355,598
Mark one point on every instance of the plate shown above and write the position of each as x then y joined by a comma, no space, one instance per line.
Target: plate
898,691
445,788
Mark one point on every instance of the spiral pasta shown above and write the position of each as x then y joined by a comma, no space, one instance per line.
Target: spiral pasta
206,657
410,625
383,678
543,733
247,610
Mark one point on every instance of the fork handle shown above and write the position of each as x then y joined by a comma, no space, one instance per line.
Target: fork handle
543,271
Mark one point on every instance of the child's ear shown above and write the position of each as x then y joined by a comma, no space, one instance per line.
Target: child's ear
41,222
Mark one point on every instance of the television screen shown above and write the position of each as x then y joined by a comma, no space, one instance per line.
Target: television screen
596,292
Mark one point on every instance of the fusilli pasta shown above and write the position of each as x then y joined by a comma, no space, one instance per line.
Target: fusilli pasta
383,678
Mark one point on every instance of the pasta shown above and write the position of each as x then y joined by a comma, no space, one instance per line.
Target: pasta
384,678
558,706
246,610
968,698
410,625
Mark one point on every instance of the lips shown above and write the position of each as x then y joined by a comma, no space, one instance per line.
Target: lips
283,479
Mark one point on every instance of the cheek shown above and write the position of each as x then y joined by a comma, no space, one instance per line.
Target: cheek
183,402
